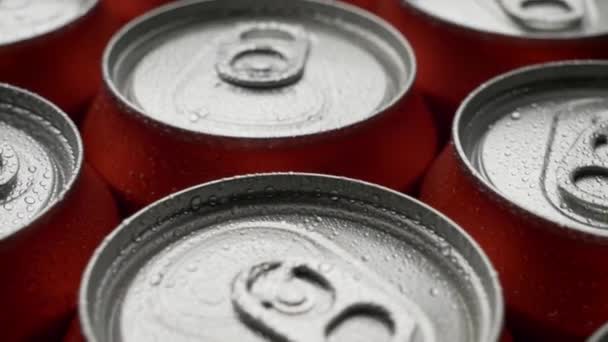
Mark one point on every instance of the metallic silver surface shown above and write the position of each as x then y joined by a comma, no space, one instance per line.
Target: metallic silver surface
281,299
25,19
523,12
40,157
550,19
264,55
259,68
170,272
536,137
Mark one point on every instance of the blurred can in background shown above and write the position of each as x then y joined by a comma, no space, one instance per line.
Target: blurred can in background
128,10
290,257
527,177
209,89
54,210
461,44
54,48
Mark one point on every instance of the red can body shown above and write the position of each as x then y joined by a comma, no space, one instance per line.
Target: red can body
61,65
167,160
454,60
41,266
563,272
554,275
127,10
145,159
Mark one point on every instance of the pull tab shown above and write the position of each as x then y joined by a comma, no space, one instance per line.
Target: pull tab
9,167
306,301
545,15
267,55
587,158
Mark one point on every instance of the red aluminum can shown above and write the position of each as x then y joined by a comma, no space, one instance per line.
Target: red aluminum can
127,10
526,175
54,48
257,86
54,210
290,257
461,44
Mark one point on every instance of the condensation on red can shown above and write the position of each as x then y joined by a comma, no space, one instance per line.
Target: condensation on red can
222,88
54,211
54,48
461,44
290,257
526,175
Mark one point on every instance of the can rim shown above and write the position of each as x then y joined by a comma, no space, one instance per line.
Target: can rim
478,177
139,114
598,335
86,11
78,149
496,323
493,34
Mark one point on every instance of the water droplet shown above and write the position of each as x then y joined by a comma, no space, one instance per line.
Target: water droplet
434,292
515,115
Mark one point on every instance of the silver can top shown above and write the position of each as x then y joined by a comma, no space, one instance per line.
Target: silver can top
259,68
538,138
25,19
552,19
40,157
290,257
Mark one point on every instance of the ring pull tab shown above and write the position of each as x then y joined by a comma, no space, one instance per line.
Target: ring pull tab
588,158
9,167
307,301
265,55
545,15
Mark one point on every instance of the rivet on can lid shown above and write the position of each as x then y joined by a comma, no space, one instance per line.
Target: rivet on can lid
25,19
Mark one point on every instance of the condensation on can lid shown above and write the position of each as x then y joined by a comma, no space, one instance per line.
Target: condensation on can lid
538,136
25,19
259,68
40,156
290,257
551,19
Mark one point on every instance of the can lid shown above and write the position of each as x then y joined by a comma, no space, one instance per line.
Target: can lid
25,19
40,156
292,258
553,19
538,137
259,68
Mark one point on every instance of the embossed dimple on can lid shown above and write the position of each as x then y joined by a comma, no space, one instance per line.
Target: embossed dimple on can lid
293,258
24,19
552,19
259,69
539,137
40,156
